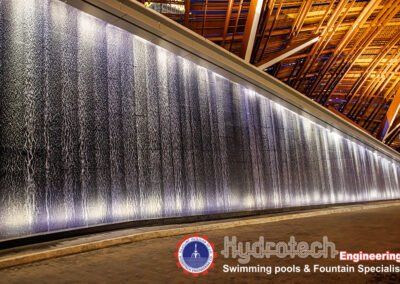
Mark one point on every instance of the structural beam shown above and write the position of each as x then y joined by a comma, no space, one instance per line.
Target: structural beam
290,50
270,30
250,29
227,20
390,116
187,12
238,12
393,133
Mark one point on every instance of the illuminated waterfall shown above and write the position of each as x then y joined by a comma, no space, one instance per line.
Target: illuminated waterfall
100,126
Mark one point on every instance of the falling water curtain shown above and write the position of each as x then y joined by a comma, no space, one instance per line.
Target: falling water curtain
100,126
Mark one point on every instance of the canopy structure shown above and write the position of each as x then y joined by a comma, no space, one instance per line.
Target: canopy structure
343,54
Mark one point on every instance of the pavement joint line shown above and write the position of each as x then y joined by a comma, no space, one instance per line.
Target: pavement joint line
95,245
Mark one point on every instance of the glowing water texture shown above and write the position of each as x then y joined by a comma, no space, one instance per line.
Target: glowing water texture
99,126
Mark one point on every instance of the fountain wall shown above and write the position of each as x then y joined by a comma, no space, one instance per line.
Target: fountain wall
101,126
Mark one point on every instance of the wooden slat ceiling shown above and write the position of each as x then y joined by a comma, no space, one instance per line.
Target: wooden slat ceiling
353,68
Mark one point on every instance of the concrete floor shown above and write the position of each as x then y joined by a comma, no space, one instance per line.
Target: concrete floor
153,261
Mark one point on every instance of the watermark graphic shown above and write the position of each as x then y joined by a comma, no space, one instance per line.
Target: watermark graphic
195,255
263,249
362,256
245,251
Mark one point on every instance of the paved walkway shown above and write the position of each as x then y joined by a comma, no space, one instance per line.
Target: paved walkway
153,261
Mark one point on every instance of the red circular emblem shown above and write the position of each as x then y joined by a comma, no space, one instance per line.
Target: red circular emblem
195,255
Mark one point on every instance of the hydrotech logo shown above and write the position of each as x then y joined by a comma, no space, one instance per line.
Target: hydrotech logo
292,249
195,255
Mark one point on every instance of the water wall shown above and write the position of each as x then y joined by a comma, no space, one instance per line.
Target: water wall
100,126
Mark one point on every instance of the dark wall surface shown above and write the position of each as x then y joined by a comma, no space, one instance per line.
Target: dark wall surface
99,126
